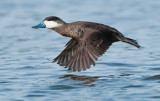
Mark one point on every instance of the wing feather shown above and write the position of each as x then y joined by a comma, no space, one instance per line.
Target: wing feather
80,55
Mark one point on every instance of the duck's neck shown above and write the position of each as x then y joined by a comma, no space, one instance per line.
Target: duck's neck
69,30
62,30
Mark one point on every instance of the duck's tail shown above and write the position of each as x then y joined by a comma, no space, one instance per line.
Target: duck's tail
130,41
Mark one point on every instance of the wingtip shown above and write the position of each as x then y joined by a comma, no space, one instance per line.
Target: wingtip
139,47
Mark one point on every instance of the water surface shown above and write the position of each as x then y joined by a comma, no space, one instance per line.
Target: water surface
123,73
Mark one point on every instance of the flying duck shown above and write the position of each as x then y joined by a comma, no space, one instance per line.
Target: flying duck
88,41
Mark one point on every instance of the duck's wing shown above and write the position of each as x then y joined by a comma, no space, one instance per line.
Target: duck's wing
65,56
80,55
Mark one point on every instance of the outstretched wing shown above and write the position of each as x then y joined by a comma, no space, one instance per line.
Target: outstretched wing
65,56
80,55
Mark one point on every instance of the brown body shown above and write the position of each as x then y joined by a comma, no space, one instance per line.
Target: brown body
88,41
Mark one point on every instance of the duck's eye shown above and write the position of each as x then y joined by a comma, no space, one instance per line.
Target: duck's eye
49,20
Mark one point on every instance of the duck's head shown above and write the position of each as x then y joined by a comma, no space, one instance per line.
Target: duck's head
50,22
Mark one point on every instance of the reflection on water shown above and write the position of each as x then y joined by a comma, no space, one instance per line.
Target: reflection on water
85,80
60,87
155,77
123,74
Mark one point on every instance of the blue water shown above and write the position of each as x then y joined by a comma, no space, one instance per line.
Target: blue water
123,73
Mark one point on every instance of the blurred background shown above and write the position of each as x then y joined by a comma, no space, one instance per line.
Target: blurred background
123,73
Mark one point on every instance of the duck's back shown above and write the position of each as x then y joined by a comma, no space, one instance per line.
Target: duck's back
82,29
90,25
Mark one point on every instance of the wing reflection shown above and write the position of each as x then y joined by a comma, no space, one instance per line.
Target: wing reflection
84,80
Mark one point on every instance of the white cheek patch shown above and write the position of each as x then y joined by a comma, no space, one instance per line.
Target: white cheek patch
51,24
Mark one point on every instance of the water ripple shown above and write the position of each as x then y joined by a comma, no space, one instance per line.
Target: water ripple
123,73
60,87
155,77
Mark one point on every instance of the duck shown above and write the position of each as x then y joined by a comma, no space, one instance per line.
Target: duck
89,40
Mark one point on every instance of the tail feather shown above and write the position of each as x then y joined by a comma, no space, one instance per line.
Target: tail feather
120,37
131,41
